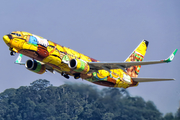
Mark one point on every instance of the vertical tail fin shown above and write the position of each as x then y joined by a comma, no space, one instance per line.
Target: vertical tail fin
137,55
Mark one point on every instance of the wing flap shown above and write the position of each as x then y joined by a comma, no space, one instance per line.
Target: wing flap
150,79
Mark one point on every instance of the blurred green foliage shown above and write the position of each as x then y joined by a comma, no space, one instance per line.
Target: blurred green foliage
42,101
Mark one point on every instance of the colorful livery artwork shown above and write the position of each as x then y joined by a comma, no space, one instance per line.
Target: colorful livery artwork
49,56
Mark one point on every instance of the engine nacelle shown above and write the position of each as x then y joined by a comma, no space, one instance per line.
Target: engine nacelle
35,66
79,65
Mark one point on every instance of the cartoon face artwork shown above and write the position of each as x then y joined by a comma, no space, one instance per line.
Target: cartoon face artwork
58,57
41,41
36,40
33,40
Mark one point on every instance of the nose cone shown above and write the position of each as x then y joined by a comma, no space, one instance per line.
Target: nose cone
6,39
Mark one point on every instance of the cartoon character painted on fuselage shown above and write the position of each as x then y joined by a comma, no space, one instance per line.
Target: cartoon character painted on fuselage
47,55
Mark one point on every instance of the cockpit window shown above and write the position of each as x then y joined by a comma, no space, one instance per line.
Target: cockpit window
19,35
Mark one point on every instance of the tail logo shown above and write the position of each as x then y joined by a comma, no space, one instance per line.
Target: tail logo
172,57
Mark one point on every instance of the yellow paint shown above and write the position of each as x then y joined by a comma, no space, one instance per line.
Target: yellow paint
47,59
15,50
120,83
26,37
28,46
53,60
49,49
85,58
142,48
78,64
60,48
51,43
20,45
6,39
102,74
74,53
25,33
69,52
82,66
64,67
128,60
56,55
15,43
116,73
33,48
54,52
56,61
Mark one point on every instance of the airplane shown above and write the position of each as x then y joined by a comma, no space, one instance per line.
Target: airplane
49,56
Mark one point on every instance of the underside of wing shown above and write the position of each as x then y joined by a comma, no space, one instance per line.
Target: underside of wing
150,79
49,68
116,65
122,65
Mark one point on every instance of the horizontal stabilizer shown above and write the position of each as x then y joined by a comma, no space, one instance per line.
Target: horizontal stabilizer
150,79
18,60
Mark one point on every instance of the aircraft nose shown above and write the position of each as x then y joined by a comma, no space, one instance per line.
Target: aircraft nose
6,39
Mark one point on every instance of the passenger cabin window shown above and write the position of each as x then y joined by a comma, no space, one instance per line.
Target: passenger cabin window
19,35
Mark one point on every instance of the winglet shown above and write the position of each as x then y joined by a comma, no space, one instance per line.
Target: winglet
171,57
18,60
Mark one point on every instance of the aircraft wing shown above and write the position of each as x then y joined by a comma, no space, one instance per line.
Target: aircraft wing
19,58
150,79
49,68
122,65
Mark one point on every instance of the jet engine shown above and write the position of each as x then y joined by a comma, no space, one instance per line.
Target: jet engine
35,66
79,65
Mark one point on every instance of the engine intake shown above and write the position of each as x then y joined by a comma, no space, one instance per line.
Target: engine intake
35,66
79,65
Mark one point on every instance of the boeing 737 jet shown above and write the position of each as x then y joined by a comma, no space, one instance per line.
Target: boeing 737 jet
49,56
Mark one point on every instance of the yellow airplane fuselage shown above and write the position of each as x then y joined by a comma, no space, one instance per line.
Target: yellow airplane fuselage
57,57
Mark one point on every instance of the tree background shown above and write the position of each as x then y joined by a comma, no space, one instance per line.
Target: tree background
42,101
